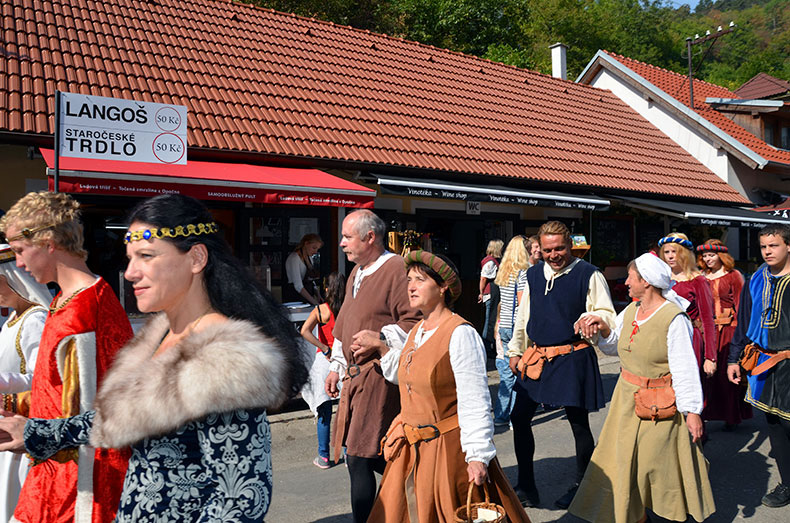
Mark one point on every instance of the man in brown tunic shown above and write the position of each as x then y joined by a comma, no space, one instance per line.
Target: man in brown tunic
374,317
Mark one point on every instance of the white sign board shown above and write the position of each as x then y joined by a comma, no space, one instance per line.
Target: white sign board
114,129
472,207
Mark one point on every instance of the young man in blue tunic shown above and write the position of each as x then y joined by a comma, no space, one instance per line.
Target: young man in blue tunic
764,321
560,290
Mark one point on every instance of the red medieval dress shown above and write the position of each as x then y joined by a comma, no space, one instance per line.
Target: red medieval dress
700,311
724,398
78,344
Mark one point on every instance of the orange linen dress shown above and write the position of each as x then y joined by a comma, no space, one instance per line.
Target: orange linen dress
428,481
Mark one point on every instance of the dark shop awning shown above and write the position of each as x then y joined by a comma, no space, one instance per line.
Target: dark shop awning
487,193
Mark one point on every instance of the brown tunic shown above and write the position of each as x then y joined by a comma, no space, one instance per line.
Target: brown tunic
428,481
368,402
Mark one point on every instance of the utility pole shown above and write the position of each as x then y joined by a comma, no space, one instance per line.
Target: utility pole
690,42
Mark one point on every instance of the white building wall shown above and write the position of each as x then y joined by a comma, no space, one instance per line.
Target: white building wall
693,142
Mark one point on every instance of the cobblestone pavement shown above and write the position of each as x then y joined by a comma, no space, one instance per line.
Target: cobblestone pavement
740,471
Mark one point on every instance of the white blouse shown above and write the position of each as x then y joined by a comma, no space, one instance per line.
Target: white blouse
295,269
467,359
680,354
23,334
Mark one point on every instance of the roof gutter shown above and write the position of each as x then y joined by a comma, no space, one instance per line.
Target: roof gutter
601,59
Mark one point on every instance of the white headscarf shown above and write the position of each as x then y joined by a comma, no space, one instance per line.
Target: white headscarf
20,281
657,273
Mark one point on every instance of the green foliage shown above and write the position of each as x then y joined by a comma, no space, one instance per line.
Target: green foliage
519,32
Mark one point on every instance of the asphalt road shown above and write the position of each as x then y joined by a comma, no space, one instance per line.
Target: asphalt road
740,470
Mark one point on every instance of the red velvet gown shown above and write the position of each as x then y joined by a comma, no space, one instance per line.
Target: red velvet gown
77,346
700,310
724,399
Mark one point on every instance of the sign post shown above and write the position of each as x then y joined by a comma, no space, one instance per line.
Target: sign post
56,178
102,128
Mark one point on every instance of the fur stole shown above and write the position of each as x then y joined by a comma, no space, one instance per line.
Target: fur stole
219,369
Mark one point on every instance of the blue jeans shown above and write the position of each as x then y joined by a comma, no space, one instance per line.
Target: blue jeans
323,427
485,334
505,398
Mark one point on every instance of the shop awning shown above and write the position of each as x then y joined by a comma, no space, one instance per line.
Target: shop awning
706,214
208,181
779,210
487,193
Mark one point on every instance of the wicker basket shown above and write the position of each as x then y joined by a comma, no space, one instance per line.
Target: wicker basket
468,513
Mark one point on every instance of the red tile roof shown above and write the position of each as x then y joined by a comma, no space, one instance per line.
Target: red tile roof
763,85
260,81
676,85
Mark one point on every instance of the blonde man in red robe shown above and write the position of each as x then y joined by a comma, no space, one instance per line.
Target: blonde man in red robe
85,327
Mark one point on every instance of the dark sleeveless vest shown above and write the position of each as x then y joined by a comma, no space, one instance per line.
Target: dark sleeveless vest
552,315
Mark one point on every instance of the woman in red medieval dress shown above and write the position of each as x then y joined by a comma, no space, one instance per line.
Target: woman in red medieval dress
724,399
677,251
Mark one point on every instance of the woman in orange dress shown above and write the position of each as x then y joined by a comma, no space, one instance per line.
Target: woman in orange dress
442,439
724,399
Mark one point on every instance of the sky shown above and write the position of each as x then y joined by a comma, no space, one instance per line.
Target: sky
677,3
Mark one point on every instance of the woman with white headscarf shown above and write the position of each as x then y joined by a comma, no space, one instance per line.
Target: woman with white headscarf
646,464
19,339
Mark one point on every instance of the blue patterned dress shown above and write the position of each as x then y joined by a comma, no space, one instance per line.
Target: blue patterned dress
194,417
215,469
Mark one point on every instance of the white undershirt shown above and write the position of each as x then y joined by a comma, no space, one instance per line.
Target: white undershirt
680,354
467,359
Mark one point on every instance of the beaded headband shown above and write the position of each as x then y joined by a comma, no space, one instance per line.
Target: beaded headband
27,232
710,247
440,267
7,255
171,232
674,239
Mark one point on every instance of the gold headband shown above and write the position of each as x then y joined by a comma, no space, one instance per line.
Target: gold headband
7,255
171,232
28,232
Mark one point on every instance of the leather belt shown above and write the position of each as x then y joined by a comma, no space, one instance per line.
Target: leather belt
773,359
354,370
646,383
429,431
553,351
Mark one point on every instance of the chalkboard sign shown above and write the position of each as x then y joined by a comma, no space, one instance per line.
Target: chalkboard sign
612,240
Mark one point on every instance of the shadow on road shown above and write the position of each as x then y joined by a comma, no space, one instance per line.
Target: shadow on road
739,474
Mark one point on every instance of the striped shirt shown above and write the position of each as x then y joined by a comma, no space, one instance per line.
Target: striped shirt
507,299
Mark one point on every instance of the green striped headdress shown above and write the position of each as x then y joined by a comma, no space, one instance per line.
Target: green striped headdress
440,267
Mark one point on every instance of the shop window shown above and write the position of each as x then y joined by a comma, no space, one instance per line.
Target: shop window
769,133
272,234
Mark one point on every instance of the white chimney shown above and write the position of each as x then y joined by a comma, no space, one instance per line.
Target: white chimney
558,68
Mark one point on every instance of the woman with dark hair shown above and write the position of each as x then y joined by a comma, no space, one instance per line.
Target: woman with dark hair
314,392
443,438
189,393
724,400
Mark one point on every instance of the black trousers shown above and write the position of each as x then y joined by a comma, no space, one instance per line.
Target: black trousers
361,472
524,441
779,435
